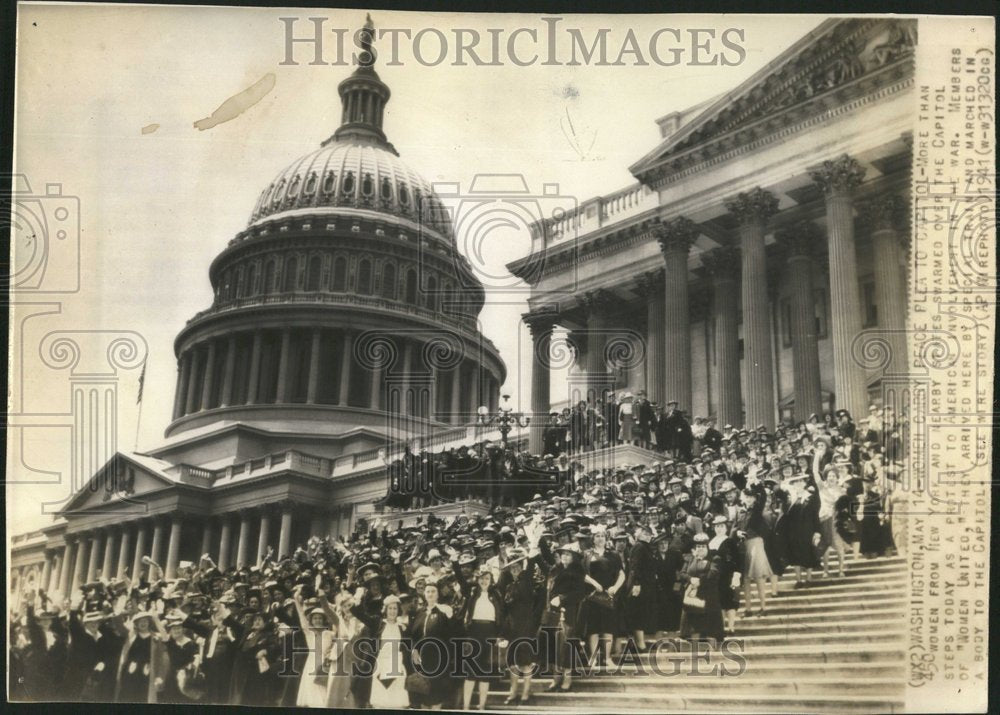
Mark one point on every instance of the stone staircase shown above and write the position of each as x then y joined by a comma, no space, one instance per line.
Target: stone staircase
838,645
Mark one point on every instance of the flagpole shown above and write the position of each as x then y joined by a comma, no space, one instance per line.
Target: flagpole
138,419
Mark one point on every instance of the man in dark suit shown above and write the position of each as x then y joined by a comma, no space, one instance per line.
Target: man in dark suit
681,436
611,418
645,419
662,431
578,427
554,436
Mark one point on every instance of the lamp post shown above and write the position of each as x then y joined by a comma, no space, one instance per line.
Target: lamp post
505,419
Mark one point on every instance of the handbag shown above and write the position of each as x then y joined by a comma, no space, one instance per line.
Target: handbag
602,599
418,684
551,617
691,600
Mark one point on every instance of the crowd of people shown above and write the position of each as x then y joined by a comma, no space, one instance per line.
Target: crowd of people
595,564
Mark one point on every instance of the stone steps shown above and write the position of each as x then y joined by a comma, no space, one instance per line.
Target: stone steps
884,651
748,684
836,646
670,701
761,668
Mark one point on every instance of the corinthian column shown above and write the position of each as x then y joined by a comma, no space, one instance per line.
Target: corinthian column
284,357
208,386
675,237
723,264
885,217
180,395
752,210
227,380
800,243
650,288
838,179
540,324
599,380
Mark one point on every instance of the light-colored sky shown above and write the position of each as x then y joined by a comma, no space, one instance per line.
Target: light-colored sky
156,208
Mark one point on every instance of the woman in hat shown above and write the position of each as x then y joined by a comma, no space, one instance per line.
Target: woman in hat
830,493
626,420
702,578
432,625
641,616
94,648
315,624
522,599
727,549
142,657
754,530
668,559
389,673
799,529
256,664
822,455
566,588
600,618
183,655
482,615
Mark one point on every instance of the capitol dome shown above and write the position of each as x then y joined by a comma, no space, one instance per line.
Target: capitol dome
344,305
356,173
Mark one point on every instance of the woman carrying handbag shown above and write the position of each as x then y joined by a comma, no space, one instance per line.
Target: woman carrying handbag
702,612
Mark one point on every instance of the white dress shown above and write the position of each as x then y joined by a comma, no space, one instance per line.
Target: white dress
312,687
389,677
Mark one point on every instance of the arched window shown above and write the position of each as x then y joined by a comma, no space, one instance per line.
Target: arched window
268,282
291,271
389,281
364,277
432,296
340,274
411,286
248,279
313,273
227,285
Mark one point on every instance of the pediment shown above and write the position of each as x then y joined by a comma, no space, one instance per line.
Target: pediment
838,60
121,479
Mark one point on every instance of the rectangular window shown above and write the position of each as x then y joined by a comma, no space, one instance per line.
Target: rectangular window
868,304
785,313
819,302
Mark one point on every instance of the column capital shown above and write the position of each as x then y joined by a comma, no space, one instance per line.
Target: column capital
597,300
884,213
756,205
676,234
650,283
540,321
802,239
838,176
722,263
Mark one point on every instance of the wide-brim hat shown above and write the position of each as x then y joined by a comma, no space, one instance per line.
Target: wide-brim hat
701,538
94,616
467,558
571,548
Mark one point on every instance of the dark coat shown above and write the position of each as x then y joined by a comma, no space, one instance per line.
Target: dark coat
91,663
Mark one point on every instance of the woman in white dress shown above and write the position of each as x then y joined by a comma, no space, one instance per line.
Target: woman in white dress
626,420
389,676
317,632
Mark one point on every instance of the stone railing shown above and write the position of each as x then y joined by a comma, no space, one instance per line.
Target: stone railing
348,464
